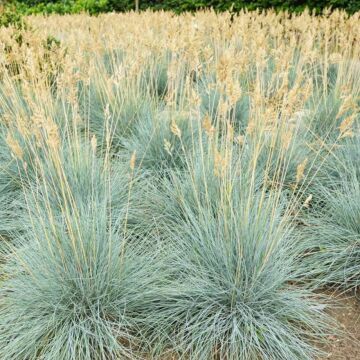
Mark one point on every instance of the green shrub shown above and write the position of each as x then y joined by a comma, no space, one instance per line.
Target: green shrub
9,15
98,6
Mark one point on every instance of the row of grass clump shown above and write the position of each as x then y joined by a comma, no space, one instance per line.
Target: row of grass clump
177,194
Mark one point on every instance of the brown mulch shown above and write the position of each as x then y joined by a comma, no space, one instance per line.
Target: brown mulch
347,314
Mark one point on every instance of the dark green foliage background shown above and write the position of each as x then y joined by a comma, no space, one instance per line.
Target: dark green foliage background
98,6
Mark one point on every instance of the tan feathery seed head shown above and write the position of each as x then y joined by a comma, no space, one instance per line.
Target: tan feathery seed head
220,163
133,160
14,146
250,128
233,91
170,98
345,127
53,137
240,139
223,108
229,131
300,170
223,68
175,129
195,98
286,138
207,126
348,104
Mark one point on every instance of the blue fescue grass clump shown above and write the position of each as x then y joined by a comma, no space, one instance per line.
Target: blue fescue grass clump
110,112
158,146
154,79
83,178
12,180
235,295
183,192
331,237
75,295
198,257
277,165
340,162
211,96
76,286
12,173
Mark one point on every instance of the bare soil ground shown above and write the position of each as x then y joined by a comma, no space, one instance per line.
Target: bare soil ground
347,314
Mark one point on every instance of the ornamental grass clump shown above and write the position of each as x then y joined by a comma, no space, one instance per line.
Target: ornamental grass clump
75,285
176,185
110,113
14,176
331,236
164,141
236,295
